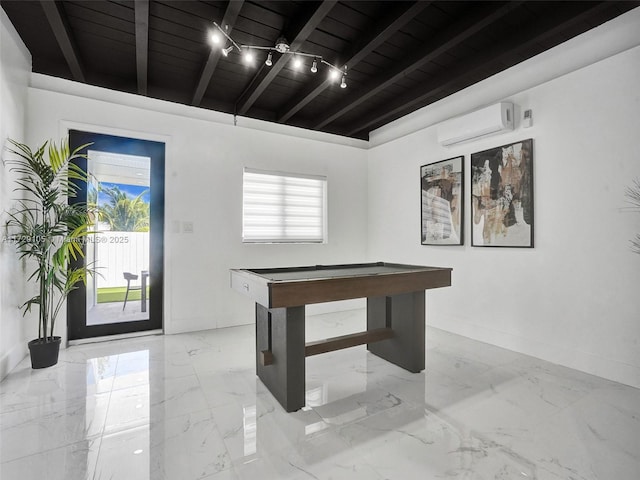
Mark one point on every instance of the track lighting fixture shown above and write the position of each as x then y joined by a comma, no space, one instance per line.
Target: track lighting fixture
282,47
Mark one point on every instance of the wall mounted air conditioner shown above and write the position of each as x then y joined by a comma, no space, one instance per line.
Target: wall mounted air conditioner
487,121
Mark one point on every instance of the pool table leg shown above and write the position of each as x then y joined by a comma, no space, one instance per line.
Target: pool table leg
405,315
281,331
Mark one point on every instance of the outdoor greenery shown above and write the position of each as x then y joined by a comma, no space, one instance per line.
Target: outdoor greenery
123,213
45,229
633,194
116,294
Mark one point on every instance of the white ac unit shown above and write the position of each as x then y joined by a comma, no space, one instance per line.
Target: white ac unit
487,121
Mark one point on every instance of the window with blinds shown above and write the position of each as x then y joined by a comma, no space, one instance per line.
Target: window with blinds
283,207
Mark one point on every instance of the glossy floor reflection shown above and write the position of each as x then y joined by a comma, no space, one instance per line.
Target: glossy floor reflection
190,407
113,312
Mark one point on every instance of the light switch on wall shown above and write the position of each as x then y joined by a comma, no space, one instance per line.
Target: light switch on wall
187,227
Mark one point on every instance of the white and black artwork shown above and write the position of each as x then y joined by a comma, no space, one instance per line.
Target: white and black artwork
442,193
502,196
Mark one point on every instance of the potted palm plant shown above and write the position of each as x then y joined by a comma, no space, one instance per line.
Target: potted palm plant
48,232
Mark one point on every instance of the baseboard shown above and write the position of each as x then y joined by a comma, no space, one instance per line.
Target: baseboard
338,306
195,324
109,338
12,358
578,360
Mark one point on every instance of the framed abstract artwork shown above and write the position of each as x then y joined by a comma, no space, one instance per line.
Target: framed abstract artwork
502,196
442,195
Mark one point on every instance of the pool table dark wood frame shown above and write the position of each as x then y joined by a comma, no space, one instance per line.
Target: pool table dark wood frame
395,318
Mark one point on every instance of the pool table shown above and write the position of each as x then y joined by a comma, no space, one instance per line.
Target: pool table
395,316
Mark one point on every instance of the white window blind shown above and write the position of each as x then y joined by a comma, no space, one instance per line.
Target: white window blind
283,207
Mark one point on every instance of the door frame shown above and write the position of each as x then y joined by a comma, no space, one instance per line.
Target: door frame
77,299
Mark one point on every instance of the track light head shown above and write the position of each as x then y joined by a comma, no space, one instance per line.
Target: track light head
226,51
314,66
215,37
343,83
269,61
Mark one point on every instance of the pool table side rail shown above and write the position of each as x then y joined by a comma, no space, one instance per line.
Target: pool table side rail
345,288
266,272
277,294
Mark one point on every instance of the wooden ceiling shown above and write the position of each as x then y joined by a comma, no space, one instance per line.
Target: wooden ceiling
400,55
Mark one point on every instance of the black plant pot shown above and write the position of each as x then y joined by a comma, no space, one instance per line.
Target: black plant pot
44,354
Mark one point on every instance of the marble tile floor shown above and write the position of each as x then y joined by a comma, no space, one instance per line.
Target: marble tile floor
190,407
113,312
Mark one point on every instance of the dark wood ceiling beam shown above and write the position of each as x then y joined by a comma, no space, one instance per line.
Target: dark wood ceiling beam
229,20
54,11
547,27
381,33
142,43
482,16
249,97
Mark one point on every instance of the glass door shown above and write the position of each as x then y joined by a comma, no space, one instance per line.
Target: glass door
125,198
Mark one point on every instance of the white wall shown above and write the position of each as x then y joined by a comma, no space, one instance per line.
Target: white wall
15,68
204,164
569,300
573,299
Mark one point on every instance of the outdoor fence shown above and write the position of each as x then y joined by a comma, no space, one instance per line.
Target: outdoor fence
119,252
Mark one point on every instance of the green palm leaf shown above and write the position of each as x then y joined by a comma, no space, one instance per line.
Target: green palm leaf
45,228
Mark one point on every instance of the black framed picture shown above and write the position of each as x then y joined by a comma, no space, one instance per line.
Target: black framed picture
442,195
502,196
